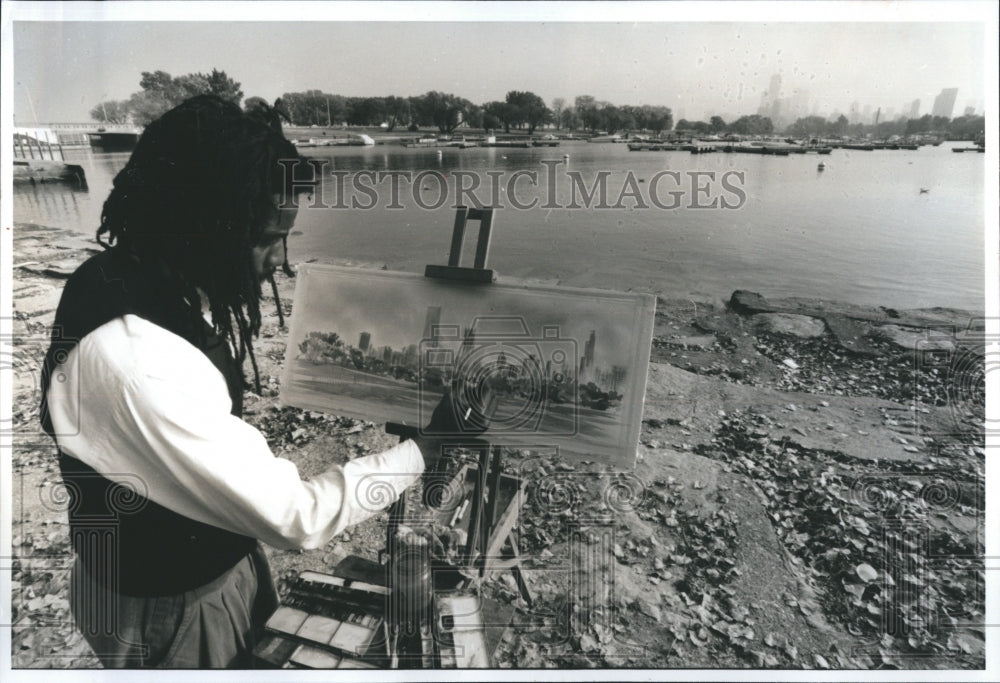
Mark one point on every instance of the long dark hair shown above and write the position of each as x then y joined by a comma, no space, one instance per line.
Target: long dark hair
192,202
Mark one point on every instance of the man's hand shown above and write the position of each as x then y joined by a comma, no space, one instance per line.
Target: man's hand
448,429
453,417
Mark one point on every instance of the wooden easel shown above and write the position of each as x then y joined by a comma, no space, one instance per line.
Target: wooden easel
490,546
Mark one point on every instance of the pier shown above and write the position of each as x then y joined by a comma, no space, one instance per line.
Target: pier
106,136
655,147
38,158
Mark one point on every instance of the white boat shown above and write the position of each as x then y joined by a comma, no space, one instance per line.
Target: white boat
351,140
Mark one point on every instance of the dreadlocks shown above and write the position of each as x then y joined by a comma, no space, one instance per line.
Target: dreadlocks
191,204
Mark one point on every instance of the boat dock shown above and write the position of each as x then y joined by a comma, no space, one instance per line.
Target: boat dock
36,160
655,147
523,144
758,149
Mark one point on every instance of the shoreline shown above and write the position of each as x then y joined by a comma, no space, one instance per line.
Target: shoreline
762,415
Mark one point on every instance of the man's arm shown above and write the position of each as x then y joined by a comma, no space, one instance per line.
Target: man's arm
151,405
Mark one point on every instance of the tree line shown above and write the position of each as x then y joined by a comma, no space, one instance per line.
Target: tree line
160,92
519,110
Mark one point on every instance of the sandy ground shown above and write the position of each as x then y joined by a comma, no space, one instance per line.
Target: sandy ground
808,493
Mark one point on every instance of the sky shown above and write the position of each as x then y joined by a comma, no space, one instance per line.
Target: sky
697,68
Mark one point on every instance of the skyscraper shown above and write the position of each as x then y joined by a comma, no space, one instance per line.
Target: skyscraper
618,375
770,104
365,341
944,104
432,321
915,109
854,113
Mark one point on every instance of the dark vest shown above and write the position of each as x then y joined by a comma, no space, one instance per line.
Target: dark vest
126,541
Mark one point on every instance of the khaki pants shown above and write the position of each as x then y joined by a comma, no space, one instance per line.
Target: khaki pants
214,626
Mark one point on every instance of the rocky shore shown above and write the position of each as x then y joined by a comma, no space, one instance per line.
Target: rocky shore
808,492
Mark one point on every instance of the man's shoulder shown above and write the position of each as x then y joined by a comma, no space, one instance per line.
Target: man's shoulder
96,267
92,295
136,347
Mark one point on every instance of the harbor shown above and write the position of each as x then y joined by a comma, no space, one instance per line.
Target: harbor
802,486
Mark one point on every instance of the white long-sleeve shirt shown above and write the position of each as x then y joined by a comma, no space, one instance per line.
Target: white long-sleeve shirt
137,402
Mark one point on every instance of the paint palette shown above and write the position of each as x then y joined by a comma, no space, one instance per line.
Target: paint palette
326,622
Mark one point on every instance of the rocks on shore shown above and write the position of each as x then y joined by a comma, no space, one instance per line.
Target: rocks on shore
916,340
753,477
801,326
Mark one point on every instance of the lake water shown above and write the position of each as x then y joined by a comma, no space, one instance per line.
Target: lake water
860,231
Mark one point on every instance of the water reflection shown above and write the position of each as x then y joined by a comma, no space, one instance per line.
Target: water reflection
49,203
66,204
858,231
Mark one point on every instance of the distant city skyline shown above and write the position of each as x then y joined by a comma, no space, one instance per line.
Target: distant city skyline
63,69
784,107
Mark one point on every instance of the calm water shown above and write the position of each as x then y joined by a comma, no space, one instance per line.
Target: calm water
859,231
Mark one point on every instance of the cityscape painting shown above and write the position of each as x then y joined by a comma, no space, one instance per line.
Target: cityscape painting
542,366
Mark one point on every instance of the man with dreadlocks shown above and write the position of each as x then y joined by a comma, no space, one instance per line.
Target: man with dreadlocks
169,490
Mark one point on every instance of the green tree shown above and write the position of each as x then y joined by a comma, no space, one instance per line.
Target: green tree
397,111
967,128
157,81
474,116
495,115
569,120
527,108
160,92
754,124
443,110
219,83
112,111
365,111
839,126
613,119
558,105
717,124
888,129
808,126
586,110
148,105
658,119
695,127
314,108
638,115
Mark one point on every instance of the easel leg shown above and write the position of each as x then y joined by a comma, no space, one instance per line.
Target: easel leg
510,550
493,493
476,521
